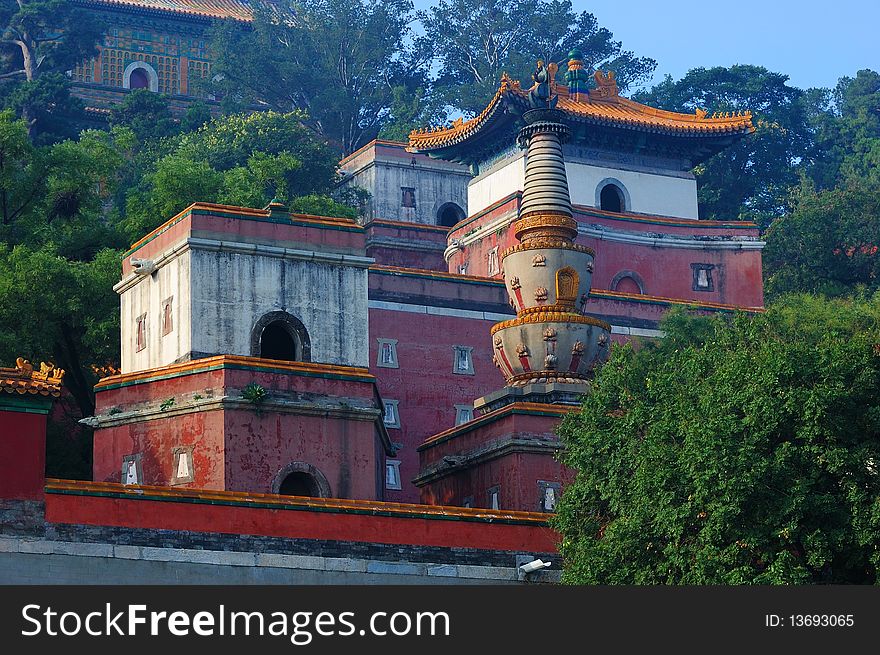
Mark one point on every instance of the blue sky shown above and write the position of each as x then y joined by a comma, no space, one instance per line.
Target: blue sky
813,43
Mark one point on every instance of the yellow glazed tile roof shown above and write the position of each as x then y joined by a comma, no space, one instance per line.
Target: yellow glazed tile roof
240,10
604,108
23,379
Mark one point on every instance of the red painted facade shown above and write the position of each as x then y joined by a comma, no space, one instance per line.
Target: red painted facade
430,313
660,250
409,245
292,518
510,451
22,454
237,444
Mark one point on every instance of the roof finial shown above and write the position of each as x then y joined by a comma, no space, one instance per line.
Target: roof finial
576,76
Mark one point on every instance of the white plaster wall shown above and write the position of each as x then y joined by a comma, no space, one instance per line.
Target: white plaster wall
497,184
649,193
147,296
231,291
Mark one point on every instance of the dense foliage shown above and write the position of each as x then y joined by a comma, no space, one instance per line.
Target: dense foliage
737,450
828,243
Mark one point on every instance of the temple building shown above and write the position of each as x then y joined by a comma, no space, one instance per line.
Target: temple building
426,353
160,45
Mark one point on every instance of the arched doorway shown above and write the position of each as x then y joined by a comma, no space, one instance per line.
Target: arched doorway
301,479
449,214
299,484
140,75
279,335
139,79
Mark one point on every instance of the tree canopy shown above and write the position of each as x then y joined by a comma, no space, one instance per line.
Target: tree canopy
828,243
475,41
243,159
337,60
749,180
737,450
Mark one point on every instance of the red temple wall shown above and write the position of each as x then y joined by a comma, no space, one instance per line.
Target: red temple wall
23,456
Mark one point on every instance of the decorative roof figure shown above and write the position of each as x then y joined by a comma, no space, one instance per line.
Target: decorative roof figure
606,85
24,379
541,96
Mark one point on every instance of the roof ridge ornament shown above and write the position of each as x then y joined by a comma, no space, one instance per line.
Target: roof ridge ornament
606,85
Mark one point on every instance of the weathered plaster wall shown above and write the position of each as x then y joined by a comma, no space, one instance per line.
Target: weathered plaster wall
171,280
384,168
319,415
259,446
232,290
155,441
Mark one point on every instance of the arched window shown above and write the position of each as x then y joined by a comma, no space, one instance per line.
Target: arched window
612,196
449,214
301,479
279,335
611,199
628,282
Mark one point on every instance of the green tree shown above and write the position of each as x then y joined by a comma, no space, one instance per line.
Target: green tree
55,308
737,450
58,194
474,42
146,114
829,243
847,126
244,160
57,262
338,60
40,40
751,179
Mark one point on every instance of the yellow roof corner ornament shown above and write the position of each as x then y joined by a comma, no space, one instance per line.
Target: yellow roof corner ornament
606,85
701,113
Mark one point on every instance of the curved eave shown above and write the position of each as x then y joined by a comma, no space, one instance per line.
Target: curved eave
467,142
462,143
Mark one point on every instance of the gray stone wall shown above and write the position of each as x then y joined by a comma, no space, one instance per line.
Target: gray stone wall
435,184
231,291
